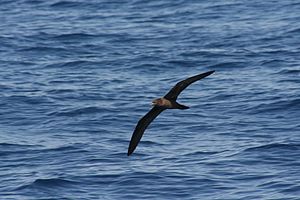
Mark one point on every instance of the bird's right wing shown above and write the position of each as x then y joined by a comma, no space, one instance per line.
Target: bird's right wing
180,86
141,127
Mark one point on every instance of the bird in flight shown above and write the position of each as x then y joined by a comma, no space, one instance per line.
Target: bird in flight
161,104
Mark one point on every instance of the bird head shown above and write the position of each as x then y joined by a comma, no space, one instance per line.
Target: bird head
157,102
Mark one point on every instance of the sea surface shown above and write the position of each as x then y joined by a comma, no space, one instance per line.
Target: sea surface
77,75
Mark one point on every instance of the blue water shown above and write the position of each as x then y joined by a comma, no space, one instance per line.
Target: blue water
76,76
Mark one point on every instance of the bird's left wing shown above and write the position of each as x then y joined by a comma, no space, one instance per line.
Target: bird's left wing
180,86
141,127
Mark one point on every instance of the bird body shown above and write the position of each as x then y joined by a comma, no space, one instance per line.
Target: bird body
168,104
161,104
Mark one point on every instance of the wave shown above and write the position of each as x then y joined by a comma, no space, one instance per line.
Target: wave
202,153
290,71
230,65
67,148
279,185
4,144
273,63
53,182
75,64
49,183
77,111
294,30
8,149
274,146
44,49
75,36
224,6
287,104
275,154
69,4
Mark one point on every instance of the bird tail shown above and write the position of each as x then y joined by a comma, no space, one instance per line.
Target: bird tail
182,107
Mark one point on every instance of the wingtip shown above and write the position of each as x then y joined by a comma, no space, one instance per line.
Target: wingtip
130,151
210,72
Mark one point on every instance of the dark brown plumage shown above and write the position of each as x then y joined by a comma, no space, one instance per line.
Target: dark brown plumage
161,104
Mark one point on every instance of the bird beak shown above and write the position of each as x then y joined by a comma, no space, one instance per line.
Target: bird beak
153,103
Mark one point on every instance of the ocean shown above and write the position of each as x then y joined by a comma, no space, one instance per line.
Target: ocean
76,76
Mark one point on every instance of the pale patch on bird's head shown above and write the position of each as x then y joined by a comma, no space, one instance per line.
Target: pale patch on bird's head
157,102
